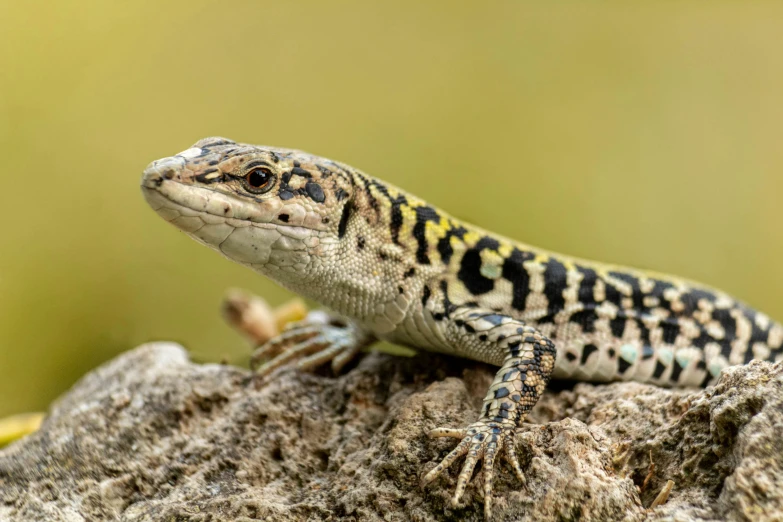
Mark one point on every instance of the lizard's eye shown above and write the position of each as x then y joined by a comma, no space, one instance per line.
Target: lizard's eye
259,180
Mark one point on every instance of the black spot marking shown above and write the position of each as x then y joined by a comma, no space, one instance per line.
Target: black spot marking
644,332
692,297
423,214
470,268
659,287
571,357
285,195
447,306
586,292
647,352
401,290
444,244
637,296
554,284
425,295
659,369
676,371
383,255
501,392
670,330
622,365
396,209
618,327
300,172
410,273
514,271
340,194
360,242
586,319
587,351
757,335
612,294
202,178
315,191
283,217
367,192
341,228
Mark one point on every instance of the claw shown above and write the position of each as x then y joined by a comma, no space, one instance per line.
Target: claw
482,440
447,432
318,358
344,357
278,345
315,341
489,475
306,348
511,457
474,454
460,450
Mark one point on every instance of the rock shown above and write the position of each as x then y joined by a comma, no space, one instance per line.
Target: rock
152,436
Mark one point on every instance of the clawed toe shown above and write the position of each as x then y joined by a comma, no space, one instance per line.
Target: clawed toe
481,441
310,343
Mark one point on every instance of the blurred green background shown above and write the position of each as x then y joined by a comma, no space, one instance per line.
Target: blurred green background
647,135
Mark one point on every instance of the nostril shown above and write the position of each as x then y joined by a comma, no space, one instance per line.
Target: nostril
167,172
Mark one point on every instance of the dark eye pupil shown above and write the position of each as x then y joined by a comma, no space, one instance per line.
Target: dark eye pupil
257,178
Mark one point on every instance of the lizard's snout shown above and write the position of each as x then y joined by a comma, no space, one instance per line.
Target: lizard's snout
161,170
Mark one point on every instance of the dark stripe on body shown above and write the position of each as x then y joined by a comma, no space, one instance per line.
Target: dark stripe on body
514,271
423,214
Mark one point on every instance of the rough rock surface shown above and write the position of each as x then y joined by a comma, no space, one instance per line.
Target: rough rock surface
152,436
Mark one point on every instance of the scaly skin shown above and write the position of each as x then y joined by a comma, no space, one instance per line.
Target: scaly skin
398,269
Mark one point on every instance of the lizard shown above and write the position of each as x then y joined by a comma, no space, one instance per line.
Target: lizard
392,267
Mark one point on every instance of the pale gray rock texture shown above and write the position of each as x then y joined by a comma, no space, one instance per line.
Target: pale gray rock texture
152,436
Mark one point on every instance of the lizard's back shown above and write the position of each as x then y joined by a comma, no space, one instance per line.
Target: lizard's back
610,322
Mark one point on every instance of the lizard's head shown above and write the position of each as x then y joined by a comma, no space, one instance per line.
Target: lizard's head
268,208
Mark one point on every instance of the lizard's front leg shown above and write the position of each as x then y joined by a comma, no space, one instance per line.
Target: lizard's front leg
317,339
528,359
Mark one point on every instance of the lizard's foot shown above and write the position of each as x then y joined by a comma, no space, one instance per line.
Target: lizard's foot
315,340
483,439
